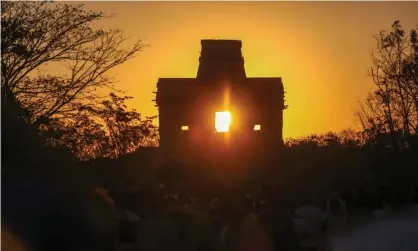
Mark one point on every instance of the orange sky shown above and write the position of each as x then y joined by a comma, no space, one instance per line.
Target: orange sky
320,49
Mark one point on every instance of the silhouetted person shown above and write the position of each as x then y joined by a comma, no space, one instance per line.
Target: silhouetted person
176,230
308,225
285,238
349,198
252,236
336,212
415,198
233,209
129,226
362,200
51,216
379,202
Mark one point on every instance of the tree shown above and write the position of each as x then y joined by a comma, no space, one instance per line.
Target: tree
344,139
22,147
38,35
53,62
104,130
410,71
392,109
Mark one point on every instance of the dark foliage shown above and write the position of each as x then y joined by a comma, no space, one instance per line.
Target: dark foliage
64,103
104,130
389,115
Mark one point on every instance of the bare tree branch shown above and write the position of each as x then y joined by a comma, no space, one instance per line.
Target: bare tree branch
390,109
37,34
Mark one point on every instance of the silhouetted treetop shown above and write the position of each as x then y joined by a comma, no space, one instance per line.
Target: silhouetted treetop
107,129
344,139
53,65
389,115
37,35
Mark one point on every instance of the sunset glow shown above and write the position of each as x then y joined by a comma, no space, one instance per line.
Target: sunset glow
222,121
320,49
125,116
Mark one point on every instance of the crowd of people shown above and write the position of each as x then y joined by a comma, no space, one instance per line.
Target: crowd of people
243,221
165,217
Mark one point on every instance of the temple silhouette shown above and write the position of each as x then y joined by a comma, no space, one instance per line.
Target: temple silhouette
189,107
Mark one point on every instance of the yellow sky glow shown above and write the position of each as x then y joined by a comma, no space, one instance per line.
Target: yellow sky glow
320,49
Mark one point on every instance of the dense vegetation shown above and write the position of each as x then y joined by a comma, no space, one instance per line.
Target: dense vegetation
57,124
63,111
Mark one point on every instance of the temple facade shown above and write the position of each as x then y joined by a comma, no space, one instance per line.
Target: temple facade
220,108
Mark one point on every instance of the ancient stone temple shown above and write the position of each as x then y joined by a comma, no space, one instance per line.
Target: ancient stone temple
221,107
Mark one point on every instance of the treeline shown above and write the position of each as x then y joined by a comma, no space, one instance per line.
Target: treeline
54,68
345,138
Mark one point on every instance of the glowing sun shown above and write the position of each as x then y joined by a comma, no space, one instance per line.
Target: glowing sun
222,121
